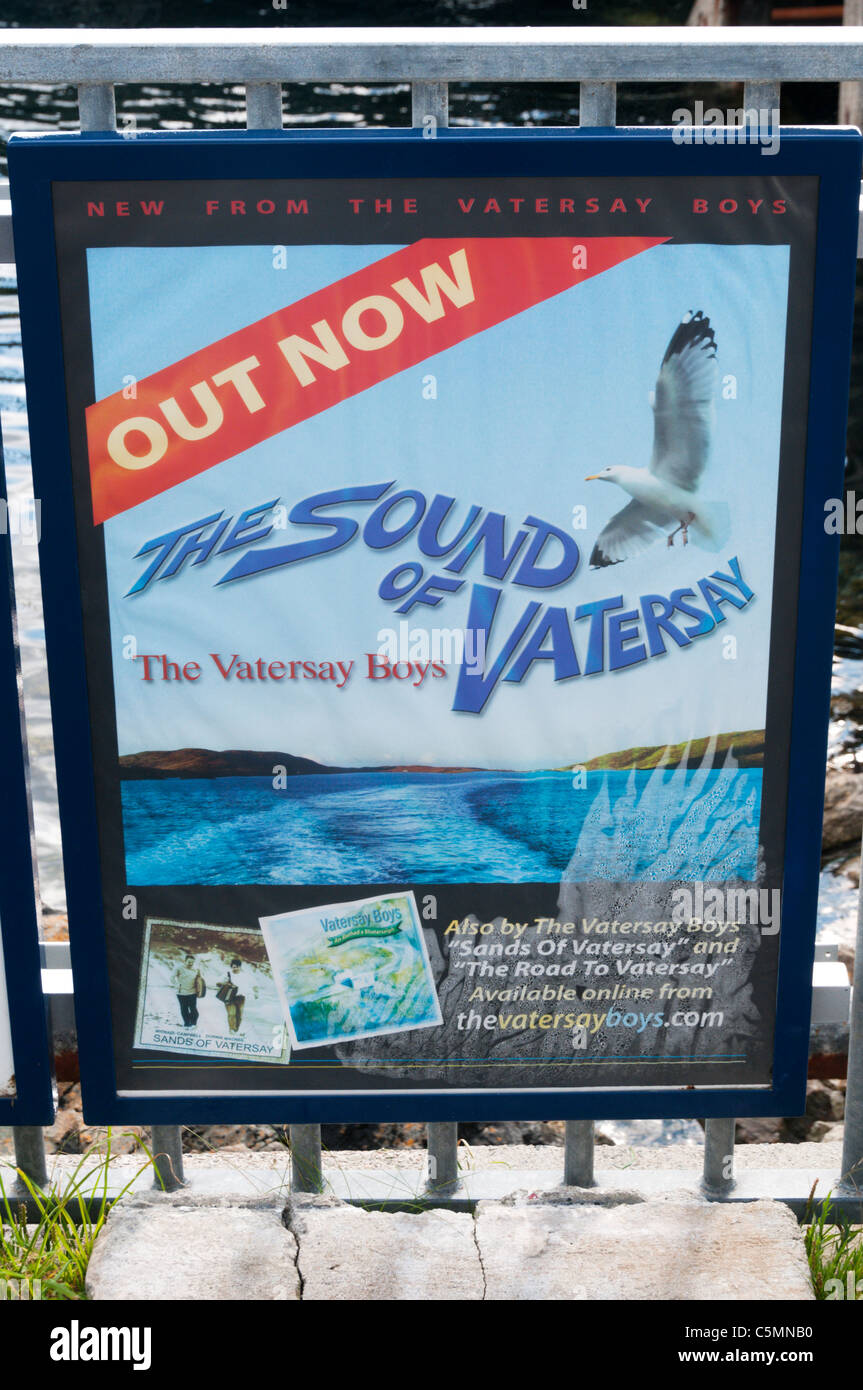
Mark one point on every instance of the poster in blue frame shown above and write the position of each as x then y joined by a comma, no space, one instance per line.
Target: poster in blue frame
26,1096
439,612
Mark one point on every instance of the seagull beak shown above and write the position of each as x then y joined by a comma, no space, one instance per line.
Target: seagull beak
592,478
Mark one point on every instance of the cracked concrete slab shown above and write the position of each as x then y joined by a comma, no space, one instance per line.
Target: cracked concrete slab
576,1247
572,1244
193,1253
346,1253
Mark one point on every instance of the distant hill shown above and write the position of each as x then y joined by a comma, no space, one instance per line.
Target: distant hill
239,762
205,762
747,748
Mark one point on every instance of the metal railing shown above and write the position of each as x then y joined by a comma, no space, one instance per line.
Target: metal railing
596,60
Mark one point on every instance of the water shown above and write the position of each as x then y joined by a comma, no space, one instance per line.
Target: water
480,827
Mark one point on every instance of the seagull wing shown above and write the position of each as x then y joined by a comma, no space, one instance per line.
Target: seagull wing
629,531
684,403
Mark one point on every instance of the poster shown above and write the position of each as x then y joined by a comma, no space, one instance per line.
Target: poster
436,545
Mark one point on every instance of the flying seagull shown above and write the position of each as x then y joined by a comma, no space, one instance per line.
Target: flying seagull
665,494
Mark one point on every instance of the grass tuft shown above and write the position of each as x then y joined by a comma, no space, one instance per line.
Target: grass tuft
47,1258
834,1248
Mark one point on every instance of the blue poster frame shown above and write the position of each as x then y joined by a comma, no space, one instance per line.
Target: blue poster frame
831,155
33,1102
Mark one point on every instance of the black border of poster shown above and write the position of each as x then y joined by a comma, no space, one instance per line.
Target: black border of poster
833,157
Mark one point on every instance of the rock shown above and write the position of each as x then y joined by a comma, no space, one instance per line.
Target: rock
675,1249
64,1135
849,867
846,955
756,1130
348,1253
823,1132
843,809
193,1254
55,925
825,1101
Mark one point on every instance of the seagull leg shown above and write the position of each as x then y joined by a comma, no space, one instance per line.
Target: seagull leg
684,527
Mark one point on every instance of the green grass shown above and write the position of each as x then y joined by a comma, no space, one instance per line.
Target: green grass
47,1249
834,1249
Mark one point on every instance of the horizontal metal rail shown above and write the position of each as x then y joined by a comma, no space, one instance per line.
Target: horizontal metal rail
397,1188
554,54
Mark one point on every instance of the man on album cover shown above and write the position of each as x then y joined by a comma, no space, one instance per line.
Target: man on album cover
230,992
184,981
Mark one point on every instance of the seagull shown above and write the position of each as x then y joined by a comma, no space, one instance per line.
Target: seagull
666,492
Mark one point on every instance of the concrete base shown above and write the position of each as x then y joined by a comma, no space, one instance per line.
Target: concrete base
594,1246
193,1254
348,1253
572,1244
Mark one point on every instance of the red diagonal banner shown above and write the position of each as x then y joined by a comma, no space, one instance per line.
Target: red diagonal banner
251,385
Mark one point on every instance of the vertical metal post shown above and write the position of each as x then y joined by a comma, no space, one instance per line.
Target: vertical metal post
442,1145
718,1177
306,1171
597,106
429,105
851,93
762,96
167,1145
597,103
96,107
264,106
852,1148
30,1154
579,1138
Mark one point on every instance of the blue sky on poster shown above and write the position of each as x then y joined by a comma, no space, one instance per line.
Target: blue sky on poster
523,412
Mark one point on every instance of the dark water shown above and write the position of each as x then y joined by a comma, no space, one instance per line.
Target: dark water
481,827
